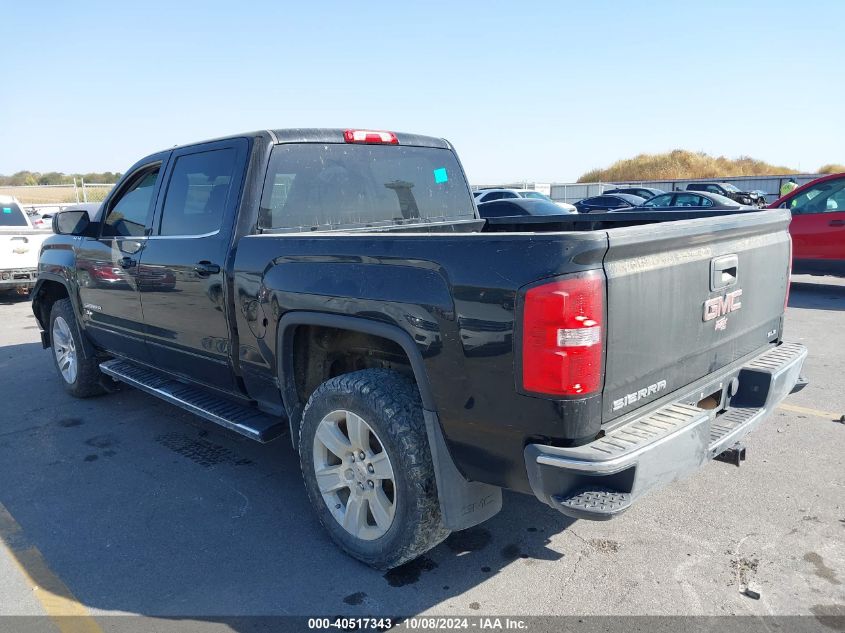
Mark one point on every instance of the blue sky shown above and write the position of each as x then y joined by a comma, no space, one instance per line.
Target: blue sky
536,91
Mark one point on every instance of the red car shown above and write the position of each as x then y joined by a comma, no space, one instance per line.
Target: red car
818,225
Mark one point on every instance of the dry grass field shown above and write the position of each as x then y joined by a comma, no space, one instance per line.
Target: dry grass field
681,163
55,194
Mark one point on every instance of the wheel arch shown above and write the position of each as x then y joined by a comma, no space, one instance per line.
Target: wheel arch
285,355
463,503
48,289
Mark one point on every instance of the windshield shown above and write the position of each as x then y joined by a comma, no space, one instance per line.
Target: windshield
313,186
12,215
729,187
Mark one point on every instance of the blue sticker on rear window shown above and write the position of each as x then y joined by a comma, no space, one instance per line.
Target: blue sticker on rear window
9,209
440,175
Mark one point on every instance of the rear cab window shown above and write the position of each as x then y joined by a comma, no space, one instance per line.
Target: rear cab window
12,215
321,187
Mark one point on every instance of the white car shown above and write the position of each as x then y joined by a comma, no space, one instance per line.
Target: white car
20,243
488,195
42,221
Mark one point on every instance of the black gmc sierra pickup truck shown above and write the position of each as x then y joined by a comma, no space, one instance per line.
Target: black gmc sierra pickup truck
338,286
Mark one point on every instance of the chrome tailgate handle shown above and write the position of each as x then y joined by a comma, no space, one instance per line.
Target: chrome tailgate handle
723,271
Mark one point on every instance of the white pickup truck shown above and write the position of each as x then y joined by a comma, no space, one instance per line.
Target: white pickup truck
20,244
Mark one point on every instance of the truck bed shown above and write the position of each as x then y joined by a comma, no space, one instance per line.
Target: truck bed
458,294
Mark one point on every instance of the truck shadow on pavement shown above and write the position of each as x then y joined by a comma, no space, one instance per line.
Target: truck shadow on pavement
817,296
11,298
140,507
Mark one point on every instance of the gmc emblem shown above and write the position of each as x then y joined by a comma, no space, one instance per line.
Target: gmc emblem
720,306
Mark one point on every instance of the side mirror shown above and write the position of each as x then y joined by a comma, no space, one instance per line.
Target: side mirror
72,222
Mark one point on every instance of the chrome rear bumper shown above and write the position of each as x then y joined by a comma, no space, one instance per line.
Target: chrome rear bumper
603,478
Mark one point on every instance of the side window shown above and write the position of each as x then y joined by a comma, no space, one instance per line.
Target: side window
509,194
663,200
197,193
715,189
826,197
127,215
495,195
687,200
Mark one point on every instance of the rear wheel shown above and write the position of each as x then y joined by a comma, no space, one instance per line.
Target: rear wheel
80,375
367,467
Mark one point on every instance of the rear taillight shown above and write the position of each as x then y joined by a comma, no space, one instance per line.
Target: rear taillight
370,136
562,336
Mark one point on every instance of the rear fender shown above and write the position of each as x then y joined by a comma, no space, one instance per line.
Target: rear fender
463,503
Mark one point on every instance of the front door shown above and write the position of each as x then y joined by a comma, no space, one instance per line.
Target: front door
818,222
107,268
182,274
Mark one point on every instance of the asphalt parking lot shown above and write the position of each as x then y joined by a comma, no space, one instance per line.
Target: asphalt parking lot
128,505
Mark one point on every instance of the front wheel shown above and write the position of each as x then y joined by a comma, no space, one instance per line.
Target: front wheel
367,467
80,375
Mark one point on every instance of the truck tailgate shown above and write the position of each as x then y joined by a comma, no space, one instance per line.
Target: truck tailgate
19,248
687,298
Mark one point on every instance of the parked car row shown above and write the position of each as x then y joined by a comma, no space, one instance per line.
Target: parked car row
818,212
716,195
616,202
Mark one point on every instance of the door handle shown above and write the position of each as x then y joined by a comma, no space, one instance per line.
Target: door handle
836,223
127,262
204,268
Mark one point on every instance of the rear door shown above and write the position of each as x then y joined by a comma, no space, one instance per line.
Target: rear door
818,222
107,267
182,276
687,298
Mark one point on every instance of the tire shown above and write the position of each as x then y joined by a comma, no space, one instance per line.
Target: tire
80,375
389,404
